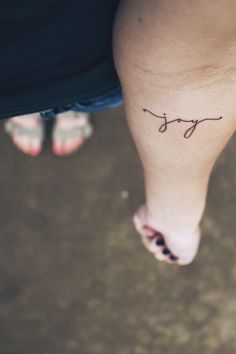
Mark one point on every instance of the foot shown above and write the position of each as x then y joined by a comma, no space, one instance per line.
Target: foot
70,132
175,248
26,132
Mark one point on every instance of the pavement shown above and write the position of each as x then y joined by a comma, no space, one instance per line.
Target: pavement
74,275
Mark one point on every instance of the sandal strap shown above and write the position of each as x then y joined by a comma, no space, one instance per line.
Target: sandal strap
84,131
12,128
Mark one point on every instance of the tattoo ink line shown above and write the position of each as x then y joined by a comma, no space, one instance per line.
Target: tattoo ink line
188,133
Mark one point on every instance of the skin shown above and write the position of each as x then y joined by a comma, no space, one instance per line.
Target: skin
177,57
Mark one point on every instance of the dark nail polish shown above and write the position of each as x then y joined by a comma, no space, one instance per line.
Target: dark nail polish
166,251
160,242
173,258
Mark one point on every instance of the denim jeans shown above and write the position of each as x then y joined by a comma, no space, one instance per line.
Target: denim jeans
100,103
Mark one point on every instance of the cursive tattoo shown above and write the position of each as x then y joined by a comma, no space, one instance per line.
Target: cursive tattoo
188,132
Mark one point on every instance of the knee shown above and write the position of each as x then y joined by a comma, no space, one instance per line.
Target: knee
169,38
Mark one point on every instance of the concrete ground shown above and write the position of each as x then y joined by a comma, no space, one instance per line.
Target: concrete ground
74,275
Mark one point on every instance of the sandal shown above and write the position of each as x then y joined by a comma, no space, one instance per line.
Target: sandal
15,129
79,134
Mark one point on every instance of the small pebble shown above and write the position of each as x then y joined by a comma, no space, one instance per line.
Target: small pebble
124,194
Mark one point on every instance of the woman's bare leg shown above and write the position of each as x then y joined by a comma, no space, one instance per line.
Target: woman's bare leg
177,65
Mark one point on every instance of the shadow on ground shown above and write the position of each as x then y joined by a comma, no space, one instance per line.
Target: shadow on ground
75,278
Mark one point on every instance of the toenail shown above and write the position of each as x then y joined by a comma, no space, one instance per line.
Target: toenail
149,230
173,258
166,251
160,242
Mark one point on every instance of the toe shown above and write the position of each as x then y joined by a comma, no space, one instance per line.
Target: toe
163,252
72,145
35,147
66,147
151,244
167,257
139,220
160,248
159,242
16,140
155,244
58,146
166,251
22,142
160,256
25,141
173,258
148,230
